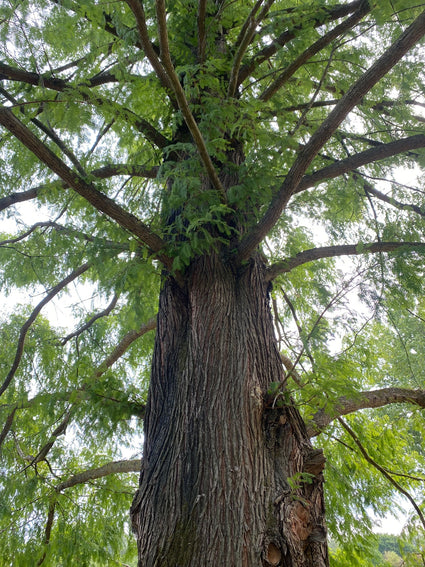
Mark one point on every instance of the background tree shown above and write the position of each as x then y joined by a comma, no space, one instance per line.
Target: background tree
228,157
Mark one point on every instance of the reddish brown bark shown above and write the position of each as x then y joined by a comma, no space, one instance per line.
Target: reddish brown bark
217,456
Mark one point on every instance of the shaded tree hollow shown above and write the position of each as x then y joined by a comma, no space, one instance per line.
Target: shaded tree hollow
217,455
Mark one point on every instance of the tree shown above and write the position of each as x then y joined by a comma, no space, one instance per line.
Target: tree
239,161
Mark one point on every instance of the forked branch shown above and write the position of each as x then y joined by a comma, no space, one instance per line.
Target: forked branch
244,39
136,6
316,47
285,37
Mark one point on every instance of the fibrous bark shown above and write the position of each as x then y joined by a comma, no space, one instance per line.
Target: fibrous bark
218,452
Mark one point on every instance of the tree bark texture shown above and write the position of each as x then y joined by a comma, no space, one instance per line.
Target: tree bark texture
218,451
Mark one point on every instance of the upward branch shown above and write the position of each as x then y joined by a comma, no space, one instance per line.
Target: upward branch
313,49
87,190
352,98
245,37
183,103
285,37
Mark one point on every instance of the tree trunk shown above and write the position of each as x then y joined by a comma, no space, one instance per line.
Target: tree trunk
218,451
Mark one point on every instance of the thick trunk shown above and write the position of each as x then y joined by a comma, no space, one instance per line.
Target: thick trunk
217,456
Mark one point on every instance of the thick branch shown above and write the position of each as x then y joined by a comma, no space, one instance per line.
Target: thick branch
340,250
313,49
105,172
110,468
25,327
112,169
372,399
14,198
371,155
333,14
61,85
87,190
243,41
136,6
183,103
14,74
202,32
354,95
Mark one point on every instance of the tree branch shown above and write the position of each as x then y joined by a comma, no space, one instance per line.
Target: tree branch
264,54
315,48
14,198
353,96
60,430
365,400
7,426
202,32
393,202
112,169
61,85
123,345
113,467
87,190
14,74
136,6
377,153
382,470
25,327
246,34
91,321
183,103
339,250
48,530
105,172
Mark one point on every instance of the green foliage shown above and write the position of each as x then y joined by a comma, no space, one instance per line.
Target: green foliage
354,325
